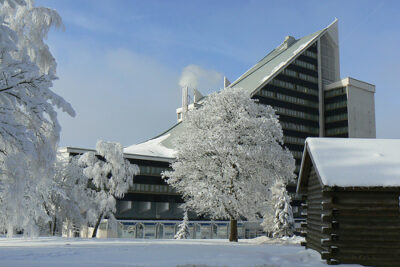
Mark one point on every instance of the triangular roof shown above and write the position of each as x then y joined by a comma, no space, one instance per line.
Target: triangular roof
251,81
279,58
351,162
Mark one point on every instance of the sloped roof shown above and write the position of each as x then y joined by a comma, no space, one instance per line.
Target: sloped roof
159,146
273,63
250,82
352,162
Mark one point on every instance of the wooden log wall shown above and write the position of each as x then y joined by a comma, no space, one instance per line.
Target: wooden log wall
352,225
367,227
318,215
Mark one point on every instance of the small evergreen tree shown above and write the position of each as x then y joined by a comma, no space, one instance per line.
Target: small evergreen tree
183,232
283,223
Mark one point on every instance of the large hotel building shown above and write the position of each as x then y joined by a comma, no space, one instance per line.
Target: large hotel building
301,80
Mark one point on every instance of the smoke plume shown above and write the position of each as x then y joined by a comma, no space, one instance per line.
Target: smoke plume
194,76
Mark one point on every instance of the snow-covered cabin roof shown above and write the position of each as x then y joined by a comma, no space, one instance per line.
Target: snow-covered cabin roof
351,162
273,63
159,146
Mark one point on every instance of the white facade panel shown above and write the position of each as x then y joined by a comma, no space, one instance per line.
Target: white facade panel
361,110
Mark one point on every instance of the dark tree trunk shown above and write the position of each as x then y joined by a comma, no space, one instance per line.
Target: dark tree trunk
97,225
233,235
54,226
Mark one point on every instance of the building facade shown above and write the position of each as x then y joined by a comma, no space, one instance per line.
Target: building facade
300,79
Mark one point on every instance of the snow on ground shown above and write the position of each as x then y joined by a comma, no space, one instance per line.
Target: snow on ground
259,252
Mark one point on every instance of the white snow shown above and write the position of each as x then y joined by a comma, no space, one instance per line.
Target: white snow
349,162
140,252
153,147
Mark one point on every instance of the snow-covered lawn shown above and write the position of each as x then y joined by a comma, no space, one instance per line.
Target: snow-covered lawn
260,252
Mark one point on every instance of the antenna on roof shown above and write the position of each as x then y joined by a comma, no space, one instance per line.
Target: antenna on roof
196,95
226,82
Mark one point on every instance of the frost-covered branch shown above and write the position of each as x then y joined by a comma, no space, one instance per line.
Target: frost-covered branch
228,156
29,129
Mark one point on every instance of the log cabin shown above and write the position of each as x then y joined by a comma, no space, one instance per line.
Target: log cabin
351,190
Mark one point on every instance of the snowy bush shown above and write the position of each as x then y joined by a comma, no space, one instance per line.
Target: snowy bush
228,156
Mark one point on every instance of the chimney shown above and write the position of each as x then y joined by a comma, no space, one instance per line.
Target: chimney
180,112
184,99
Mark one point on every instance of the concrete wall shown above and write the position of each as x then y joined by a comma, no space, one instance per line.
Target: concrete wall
361,109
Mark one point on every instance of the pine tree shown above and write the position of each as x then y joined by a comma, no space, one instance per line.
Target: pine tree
228,156
183,228
283,223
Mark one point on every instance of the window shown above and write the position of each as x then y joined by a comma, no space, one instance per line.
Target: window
295,113
335,92
308,78
294,140
340,117
336,131
299,127
305,65
311,54
151,170
336,105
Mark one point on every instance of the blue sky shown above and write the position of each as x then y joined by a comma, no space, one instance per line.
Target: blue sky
119,62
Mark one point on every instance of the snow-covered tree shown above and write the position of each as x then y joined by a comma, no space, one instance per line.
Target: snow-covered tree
110,175
228,156
29,130
278,219
73,202
183,228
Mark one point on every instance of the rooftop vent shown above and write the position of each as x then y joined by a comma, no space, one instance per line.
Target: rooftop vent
289,40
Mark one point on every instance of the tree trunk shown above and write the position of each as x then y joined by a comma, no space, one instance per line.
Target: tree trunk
54,226
97,225
233,235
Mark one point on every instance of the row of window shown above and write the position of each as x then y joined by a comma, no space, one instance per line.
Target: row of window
155,188
292,86
336,131
287,98
334,118
293,140
308,78
299,75
297,154
336,105
151,170
295,113
299,127
283,84
296,100
335,92
311,54
305,65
